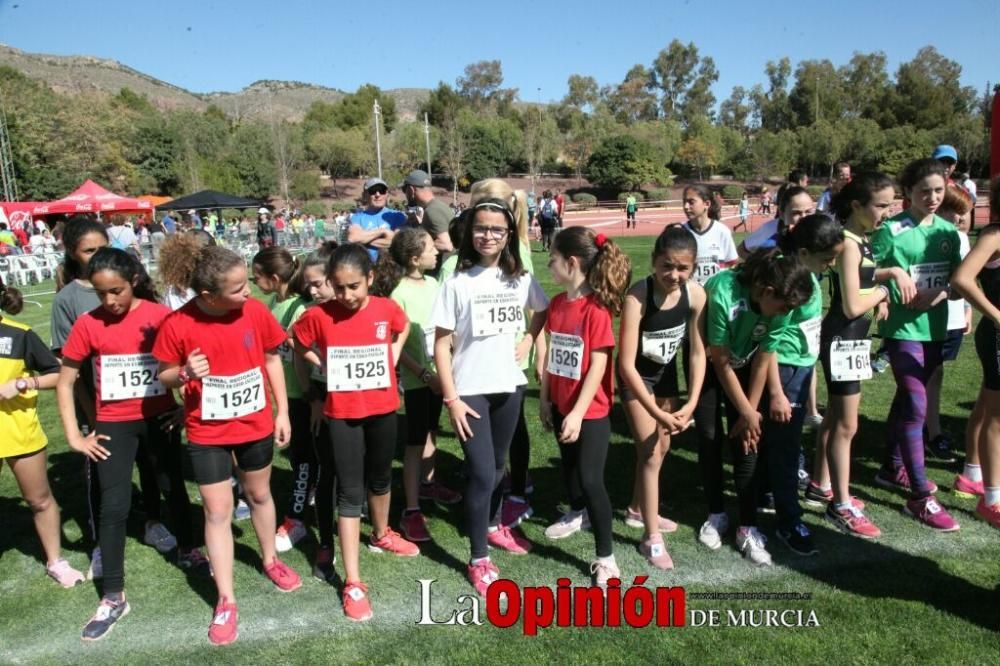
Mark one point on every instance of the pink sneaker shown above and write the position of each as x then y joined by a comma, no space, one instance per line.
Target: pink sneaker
930,513
509,540
634,519
515,511
482,574
655,552
414,527
357,608
224,627
438,492
61,572
967,489
392,542
990,514
852,521
283,576
899,480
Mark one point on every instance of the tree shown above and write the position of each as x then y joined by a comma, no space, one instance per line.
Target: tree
540,139
817,94
305,184
735,111
684,80
902,145
340,153
867,88
773,153
154,150
625,163
631,101
480,85
442,104
929,92
584,92
251,154
771,107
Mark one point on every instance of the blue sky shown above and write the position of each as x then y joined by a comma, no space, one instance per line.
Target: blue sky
211,45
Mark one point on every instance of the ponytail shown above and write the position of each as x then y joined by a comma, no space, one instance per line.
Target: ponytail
607,268
789,279
127,267
11,300
393,264
318,257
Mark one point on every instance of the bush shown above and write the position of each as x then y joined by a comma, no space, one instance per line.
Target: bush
317,208
659,194
815,190
732,192
639,196
585,199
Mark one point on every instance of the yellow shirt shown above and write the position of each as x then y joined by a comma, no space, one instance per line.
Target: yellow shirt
22,354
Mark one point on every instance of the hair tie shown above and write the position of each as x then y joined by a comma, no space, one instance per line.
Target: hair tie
600,240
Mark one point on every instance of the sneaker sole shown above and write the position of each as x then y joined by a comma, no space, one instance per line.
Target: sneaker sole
221,643
846,530
416,539
906,511
892,485
128,609
757,564
520,519
965,495
803,553
359,619
322,577
711,546
808,501
376,549
556,537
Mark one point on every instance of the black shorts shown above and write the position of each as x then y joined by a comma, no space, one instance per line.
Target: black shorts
840,329
664,386
988,350
423,414
213,464
952,344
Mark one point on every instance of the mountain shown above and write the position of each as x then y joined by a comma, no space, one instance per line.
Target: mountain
86,74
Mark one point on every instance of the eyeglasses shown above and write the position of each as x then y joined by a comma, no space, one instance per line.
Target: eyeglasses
498,233
378,190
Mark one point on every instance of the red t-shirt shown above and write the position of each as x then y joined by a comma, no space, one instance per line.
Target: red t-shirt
357,351
236,396
576,328
125,370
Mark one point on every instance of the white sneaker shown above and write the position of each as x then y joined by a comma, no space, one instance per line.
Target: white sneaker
712,530
751,543
570,523
241,511
96,569
289,533
159,537
603,572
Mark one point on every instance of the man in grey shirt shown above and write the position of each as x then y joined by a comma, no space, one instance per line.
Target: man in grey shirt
437,215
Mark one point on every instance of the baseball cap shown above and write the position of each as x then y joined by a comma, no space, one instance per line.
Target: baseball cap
417,178
945,152
372,182
263,211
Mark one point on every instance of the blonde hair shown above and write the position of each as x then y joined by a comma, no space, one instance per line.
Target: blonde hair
497,188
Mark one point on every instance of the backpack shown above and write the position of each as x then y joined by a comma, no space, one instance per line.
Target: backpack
116,242
549,209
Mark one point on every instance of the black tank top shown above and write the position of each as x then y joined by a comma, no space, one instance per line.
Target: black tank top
866,281
661,332
989,276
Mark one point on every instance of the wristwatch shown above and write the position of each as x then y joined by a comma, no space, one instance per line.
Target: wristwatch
21,385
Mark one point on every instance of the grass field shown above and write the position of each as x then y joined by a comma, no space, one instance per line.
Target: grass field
913,596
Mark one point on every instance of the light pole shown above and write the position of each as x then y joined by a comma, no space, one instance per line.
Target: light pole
378,142
427,142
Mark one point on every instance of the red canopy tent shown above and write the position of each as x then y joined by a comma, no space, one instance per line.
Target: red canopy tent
92,198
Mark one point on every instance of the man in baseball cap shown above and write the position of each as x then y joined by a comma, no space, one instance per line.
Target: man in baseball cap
437,215
375,226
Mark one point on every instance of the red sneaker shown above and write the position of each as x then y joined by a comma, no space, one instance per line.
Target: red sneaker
990,514
414,527
392,542
283,576
356,605
223,629
852,521
930,513
482,574
899,480
438,492
509,540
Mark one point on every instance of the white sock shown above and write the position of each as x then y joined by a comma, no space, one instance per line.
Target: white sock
973,473
479,560
826,488
517,498
609,560
491,530
991,496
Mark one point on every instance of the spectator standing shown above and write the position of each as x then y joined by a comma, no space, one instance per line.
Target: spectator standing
841,177
376,224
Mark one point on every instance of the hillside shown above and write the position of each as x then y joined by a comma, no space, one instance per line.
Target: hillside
81,74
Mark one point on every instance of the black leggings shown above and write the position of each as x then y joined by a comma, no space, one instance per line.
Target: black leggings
711,441
303,456
520,456
485,459
362,452
583,471
326,485
115,474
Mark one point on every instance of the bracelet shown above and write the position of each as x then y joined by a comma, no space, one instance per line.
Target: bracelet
448,402
34,380
885,291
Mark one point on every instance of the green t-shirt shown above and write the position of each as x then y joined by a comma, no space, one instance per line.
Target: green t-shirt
287,313
417,300
732,321
930,254
448,267
319,228
795,336
630,204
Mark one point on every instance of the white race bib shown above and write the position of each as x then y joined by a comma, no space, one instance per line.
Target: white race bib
850,360
430,333
497,313
661,346
358,368
931,275
811,330
565,355
233,396
705,268
127,376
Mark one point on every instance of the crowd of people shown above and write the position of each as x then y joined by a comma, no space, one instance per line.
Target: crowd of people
444,314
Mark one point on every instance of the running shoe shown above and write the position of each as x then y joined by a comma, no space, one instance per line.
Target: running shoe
61,572
192,560
880,363
482,574
852,521
939,449
392,542
159,537
323,565
967,489
602,572
515,511
104,620
804,479
990,514
634,519
96,570
928,511
766,504
655,552
752,544
812,422
241,512
283,576
899,480
356,605
568,524
289,533
440,493
414,526
712,530
799,540
507,539
816,496
224,629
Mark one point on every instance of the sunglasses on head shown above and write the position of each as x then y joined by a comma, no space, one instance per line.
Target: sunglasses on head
378,189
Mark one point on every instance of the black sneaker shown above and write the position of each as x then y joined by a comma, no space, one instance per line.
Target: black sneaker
939,449
766,504
798,540
108,613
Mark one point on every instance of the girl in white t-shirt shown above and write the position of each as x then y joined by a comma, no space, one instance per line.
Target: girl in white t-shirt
716,249
478,315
